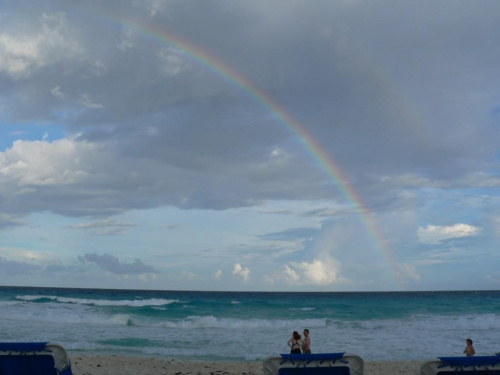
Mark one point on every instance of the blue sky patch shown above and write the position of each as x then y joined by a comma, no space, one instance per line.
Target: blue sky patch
9,133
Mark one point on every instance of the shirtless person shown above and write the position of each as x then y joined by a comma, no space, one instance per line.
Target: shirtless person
469,349
306,343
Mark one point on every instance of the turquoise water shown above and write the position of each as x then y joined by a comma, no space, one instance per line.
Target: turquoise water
252,326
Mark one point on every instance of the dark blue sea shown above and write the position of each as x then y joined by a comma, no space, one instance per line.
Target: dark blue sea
234,326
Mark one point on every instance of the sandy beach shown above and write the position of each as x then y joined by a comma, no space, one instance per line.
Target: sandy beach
118,365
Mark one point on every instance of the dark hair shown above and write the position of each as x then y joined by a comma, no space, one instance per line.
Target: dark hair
306,330
296,335
469,341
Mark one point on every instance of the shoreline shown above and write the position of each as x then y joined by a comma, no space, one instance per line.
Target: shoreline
84,364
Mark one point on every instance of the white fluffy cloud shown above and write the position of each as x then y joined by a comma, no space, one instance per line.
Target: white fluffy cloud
405,271
21,55
87,101
57,93
324,271
153,6
172,62
433,234
242,272
41,163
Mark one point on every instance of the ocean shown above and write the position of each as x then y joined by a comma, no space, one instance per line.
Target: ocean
246,326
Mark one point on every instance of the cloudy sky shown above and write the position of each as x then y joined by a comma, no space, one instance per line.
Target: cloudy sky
341,145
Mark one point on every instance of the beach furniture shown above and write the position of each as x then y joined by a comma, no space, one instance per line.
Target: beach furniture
314,364
453,365
33,358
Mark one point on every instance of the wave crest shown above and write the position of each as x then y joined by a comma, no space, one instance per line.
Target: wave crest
193,322
100,302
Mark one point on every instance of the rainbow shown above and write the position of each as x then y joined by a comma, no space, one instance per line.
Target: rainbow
228,74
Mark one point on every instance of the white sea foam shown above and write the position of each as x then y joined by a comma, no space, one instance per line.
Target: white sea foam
11,303
194,322
34,298
64,316
430,322
103,302
227,331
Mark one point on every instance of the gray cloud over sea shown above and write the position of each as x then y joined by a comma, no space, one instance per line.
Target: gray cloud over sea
120,117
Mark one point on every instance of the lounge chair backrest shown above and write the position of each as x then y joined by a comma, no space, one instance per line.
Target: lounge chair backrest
314,364
33,358
452,365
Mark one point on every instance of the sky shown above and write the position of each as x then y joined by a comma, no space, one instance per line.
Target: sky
342,145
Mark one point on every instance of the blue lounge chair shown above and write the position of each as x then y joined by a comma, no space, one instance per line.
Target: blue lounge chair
480,365
33,358
314,364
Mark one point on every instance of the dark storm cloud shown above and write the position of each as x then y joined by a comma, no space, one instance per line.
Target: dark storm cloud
14,268
112,264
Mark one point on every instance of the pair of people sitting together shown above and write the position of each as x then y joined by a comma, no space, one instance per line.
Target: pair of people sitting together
298,345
